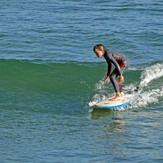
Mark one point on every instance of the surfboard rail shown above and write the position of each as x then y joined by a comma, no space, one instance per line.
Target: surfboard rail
122,102
112,107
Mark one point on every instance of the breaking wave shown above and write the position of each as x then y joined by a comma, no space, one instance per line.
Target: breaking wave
151,73
147,94
148,97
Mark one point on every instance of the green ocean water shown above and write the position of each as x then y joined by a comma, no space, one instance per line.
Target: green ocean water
50,79
46,114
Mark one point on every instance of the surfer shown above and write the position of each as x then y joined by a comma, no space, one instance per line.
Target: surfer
121,64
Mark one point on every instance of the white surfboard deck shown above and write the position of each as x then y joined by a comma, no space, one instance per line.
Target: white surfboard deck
120,102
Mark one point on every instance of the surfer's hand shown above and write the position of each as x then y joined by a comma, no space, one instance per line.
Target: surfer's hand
121,78
107,79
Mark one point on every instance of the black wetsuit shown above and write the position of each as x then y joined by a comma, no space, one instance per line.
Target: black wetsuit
121,64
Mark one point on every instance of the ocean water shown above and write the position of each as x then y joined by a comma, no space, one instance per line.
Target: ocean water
50,79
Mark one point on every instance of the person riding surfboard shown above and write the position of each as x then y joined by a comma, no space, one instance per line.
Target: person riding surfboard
121,63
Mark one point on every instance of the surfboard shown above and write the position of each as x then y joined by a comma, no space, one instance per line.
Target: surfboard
120,102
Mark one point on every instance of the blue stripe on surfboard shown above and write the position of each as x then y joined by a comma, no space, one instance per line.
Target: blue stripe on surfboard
112,107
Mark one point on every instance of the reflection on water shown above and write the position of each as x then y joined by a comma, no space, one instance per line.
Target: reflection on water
99,113
114,129
116,126
117,121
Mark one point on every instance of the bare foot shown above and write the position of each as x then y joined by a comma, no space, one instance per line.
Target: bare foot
115,98
118,95
112,96
122,94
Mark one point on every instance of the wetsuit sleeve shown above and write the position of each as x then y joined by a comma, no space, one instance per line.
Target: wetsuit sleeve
115,63
109,68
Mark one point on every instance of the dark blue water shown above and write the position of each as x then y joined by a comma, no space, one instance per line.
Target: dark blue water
50,78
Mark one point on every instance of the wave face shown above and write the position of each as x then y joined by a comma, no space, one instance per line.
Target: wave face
74,81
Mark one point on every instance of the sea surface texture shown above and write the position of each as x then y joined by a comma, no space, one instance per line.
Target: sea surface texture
50,79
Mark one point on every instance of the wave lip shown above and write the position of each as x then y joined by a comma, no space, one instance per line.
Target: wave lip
151,96
148,97
151,73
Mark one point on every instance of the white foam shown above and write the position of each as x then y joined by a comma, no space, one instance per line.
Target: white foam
100,87
130,87
152,96
151,73
147,98
96,98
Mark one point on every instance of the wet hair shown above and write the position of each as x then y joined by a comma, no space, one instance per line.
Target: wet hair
99,47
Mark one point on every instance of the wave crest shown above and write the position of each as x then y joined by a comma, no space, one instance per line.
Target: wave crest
151,73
